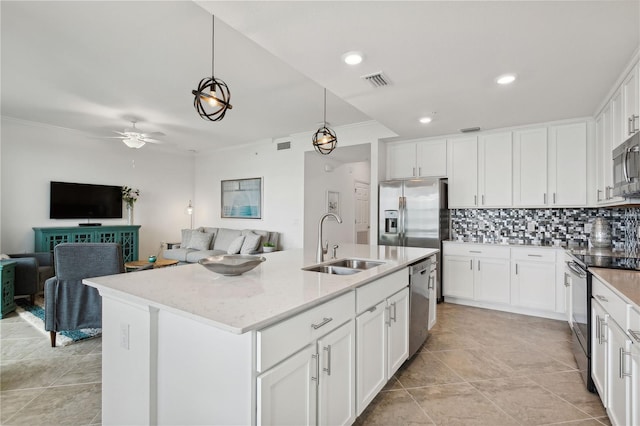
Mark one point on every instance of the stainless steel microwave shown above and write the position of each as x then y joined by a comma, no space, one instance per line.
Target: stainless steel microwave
626,168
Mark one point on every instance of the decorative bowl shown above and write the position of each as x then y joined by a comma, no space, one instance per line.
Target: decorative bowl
231,264
152,259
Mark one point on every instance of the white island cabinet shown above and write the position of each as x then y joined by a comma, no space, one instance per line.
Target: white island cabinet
276,345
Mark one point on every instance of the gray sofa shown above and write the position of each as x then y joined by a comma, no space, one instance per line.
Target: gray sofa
203,242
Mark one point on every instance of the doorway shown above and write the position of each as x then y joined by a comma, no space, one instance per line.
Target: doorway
362,211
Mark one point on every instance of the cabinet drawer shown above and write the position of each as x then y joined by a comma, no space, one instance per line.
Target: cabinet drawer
277,342
633,326
614,305
533,254
371,294
480,250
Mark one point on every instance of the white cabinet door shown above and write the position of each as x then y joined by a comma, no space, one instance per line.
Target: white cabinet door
599,339
630,97
463,174
432,158
601,156
492,280
568,165
533,285
398,331
635,384
530,167
458,276
495,174
618,122
286,394
371,355
401,160
618,383
336,387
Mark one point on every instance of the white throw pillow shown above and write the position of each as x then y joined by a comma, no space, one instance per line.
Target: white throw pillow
186,237
200,241
251,243
236,245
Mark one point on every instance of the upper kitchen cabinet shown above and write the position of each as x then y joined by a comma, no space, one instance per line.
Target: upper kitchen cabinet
568,165
463,172
417,159
480,171
530,167
604,161
630,104
550,166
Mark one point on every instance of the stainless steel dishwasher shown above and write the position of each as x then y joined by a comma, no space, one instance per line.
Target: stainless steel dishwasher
419,303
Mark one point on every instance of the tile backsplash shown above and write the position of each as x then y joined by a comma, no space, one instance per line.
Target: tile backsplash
561,227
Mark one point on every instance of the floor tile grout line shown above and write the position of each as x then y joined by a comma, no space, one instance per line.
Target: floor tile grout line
563,399
29,402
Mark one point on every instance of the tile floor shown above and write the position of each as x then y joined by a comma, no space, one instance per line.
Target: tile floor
479,367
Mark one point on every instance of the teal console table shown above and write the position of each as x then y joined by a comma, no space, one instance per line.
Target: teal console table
125,235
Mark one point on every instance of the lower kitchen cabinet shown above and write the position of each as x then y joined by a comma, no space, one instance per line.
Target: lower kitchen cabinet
491,282
619,375
382,345
286,393
458,276
433,301
533,285
599,339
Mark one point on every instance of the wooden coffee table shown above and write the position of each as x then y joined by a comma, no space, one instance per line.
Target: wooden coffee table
159,263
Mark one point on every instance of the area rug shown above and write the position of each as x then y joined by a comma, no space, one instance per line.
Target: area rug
34,315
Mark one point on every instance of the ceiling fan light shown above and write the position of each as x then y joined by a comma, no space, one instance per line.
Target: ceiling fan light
133,143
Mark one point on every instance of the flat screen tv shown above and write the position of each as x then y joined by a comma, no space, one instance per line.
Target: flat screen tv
85,201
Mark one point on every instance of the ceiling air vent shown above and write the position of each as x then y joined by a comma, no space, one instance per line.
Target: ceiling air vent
377,79
284,145
470,129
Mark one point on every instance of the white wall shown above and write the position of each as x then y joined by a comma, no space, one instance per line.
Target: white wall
317,181
283,181
32,155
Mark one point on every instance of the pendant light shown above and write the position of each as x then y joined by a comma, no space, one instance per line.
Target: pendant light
212,97
324,139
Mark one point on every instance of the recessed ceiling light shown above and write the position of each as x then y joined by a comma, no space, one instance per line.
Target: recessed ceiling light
425,120
352,58
506,79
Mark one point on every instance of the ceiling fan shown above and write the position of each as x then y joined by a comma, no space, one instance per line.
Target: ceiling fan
133,138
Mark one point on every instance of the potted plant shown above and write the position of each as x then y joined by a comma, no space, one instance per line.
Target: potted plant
268,247
130,196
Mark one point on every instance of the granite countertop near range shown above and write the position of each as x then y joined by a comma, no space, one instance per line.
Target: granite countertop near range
624,283
510,243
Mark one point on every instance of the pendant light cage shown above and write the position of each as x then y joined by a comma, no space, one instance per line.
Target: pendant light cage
325,139
212,98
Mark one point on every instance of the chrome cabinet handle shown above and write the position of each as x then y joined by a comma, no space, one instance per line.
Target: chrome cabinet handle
371,309
625,170
603,322
554,198
394,312
635,335
388,315
315,379
545,198
629,123
328,368
601,298
576,270
566,280
534,255
635,128
414,171
516,269
324,321
471,264
598,191
475,200
430,284
623,368
607,192
478,264
475,251
419,171
598,329
483,199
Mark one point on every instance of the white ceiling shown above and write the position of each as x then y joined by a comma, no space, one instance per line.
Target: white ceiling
90,65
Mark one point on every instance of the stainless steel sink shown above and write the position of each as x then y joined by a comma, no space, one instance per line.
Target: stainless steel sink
355,263
330,269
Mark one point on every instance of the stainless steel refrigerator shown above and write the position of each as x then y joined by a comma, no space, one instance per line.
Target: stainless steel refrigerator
414,213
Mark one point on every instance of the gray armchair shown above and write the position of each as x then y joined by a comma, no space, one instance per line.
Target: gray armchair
69,304
32,270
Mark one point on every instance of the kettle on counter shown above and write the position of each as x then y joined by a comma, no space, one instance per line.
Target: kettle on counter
600,236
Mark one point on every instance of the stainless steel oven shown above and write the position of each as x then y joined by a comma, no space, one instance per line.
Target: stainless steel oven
579,279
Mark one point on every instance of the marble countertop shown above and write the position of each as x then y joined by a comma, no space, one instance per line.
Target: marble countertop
505,244
276,289
625,284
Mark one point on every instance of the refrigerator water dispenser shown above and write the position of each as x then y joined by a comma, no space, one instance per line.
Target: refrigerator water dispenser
391,221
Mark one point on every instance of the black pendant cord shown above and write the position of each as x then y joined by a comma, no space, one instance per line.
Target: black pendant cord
325,107
213,44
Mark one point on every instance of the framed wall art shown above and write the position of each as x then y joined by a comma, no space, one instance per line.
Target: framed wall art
241,198
333,202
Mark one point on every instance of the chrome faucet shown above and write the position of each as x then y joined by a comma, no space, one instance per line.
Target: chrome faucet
321,251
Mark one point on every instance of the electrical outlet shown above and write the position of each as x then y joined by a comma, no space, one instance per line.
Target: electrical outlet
124,336
531,226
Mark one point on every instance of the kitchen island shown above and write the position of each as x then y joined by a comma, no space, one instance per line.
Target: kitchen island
184,345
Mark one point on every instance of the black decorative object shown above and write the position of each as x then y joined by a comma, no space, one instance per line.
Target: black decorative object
324,139
212,97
